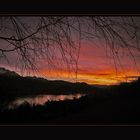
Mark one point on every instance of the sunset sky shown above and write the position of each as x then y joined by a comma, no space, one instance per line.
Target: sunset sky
95,66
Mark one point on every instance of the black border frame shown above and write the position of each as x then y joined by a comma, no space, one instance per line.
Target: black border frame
70,8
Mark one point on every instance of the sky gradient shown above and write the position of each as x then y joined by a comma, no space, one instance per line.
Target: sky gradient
96,63
95,66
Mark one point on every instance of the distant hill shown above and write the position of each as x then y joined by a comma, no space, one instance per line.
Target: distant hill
131,89
5,72
12,84
107,104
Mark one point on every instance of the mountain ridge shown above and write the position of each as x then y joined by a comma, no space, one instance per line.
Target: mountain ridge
6,72
13,84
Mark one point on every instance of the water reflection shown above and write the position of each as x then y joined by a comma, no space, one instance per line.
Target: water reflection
42,99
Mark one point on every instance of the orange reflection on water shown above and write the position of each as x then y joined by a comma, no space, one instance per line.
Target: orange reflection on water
42,99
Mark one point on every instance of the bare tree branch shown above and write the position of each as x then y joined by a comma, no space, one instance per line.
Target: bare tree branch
37,38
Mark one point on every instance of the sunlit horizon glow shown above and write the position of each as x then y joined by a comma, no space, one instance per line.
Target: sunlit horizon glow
94,67
97,68
106,78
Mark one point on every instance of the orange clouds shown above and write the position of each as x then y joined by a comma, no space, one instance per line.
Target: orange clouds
95,67
101,78
107,79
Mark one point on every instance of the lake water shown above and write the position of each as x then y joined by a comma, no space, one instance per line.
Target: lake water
42,99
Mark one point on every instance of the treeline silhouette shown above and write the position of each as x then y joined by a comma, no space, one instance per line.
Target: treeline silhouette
114,105
36,114
117,104
13,85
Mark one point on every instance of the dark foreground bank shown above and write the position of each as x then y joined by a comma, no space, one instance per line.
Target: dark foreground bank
119,104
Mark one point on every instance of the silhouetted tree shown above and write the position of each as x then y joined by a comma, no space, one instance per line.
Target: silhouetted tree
36,38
